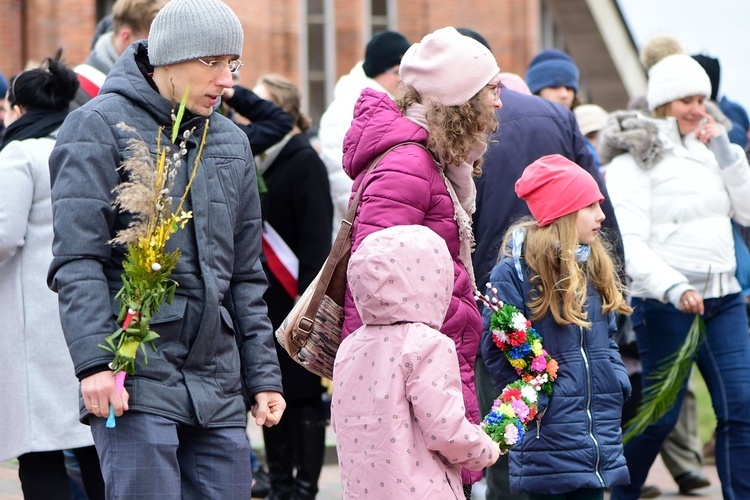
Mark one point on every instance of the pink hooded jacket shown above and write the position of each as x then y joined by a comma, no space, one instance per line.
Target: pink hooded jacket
407,188
397,407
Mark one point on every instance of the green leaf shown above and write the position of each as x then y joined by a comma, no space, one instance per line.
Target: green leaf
670,377
180,113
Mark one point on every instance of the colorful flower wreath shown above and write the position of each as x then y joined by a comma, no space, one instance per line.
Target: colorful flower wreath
517,404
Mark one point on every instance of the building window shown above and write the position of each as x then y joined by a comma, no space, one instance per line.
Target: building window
319,66
379,15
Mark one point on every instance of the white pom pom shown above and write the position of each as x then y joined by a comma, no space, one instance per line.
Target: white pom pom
156,266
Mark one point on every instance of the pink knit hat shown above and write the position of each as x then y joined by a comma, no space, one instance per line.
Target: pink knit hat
554,187
448,67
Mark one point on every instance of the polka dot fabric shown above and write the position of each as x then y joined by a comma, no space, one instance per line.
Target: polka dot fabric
397,407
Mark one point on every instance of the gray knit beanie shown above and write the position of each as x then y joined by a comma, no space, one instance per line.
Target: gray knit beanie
191,29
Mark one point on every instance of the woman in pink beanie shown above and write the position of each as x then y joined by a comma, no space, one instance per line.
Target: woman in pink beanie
559,274
447,105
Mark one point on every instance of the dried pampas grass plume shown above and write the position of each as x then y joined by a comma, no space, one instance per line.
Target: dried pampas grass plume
657,48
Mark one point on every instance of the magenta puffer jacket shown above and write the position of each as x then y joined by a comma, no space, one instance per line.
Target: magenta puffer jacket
407,188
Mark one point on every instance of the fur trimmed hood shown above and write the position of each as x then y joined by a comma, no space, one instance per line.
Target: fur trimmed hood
635,133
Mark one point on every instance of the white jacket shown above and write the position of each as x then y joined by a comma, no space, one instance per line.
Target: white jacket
39,390
334,124
674,205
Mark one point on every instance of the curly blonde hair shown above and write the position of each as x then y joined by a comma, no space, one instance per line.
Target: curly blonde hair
558,281
454,129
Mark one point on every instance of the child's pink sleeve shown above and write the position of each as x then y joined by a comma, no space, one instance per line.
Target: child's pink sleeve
434,390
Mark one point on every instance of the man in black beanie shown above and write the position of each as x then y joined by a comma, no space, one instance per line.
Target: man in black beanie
732,110
378,71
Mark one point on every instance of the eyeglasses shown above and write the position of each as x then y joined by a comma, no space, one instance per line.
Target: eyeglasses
219,66
497,88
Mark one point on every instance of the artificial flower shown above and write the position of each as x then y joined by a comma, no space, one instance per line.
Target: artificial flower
522,347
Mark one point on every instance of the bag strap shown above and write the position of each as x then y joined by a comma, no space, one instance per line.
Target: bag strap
341,247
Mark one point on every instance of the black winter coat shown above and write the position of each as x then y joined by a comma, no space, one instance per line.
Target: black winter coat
298,206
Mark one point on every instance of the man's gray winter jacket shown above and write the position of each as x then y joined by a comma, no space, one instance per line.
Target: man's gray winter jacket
216,343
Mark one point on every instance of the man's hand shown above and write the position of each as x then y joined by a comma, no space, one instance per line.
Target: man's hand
99,390
268,408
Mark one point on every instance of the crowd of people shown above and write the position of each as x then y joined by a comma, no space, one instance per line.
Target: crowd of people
609,231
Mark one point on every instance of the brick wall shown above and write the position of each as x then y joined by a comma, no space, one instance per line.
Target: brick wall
32,29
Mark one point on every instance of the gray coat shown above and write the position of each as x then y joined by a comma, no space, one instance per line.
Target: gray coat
216,342
38,393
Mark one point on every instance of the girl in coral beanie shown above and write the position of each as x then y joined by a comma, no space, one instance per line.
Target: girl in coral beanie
558,273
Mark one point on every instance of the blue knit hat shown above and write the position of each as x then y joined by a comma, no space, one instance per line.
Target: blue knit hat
3,86
552,68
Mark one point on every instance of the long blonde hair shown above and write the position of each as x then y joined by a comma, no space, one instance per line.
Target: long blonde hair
558,281
454,129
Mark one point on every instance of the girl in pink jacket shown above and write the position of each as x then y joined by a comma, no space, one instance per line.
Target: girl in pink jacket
397,409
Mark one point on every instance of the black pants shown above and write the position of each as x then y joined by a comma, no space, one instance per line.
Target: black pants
44,477
295,450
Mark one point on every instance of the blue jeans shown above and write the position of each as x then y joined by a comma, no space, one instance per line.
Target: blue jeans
724,361
148,456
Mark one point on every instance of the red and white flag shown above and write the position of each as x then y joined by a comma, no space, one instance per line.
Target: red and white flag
281,260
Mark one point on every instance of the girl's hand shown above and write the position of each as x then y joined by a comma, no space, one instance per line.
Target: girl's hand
691,302
708,129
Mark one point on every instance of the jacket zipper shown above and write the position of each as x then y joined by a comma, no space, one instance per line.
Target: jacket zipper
539,423
588,408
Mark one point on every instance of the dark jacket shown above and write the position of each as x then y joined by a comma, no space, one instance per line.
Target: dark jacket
269,122
530,127
577,444
215,336
740,121
298,206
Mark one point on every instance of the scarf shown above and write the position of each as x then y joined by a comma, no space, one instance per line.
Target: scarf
463,192
582,253
34,124
266,158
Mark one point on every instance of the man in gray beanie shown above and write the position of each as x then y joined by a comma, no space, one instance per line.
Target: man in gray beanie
181,417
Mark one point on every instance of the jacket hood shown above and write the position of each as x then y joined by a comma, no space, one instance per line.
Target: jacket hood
377,126
354,82
402,274
130,77
638,134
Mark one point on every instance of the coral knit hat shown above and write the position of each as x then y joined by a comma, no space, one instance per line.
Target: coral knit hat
554,187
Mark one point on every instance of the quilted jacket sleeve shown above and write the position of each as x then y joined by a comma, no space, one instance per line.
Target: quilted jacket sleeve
83,172
255,340
434,389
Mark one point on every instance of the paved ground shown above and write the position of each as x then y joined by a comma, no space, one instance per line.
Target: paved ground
330,487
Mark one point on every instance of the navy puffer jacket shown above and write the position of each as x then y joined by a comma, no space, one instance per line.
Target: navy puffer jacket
577,444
